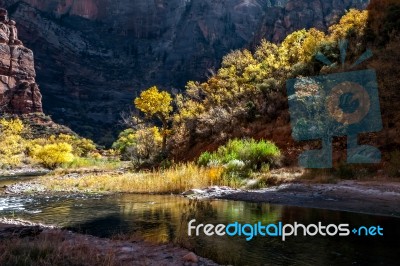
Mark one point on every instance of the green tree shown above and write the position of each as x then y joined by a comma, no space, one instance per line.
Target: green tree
156,104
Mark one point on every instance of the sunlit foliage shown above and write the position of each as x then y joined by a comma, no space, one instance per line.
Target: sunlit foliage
246,152
300,46
251,86
156,104
153,102
80,146
52,155
17,147
353,23
12,144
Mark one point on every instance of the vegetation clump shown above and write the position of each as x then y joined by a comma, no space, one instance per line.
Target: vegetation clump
156,104
248,91
243,156
12,143
176,179
142,146
18,148
52,155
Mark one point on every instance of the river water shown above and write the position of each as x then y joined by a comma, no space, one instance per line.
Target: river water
163,219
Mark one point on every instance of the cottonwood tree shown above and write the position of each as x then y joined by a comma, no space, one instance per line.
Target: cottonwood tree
156,104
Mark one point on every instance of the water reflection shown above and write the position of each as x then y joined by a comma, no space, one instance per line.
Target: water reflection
164,219
6,181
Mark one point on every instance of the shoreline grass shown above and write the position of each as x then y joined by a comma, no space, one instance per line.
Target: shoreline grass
177,179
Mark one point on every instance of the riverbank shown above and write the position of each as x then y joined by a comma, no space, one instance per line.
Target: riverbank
378,196
36,244
174,180
373,195
369,197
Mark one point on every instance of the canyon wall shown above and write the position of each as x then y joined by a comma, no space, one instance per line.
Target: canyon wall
93,57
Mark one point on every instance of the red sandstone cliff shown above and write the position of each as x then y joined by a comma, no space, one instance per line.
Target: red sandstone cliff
19,93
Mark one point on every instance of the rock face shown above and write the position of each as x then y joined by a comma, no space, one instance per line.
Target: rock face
94,56
19,93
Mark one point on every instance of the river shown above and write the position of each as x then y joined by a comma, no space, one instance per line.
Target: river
164,219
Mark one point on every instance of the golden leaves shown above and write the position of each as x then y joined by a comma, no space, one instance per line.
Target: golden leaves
153,102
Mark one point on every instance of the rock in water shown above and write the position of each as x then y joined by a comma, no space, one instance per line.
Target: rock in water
19,93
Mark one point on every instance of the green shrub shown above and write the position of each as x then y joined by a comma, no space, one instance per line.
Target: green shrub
236,169
253,153
259,153
243,155
126,139
235,165
204,159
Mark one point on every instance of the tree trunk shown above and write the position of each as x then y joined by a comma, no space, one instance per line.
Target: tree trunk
164,135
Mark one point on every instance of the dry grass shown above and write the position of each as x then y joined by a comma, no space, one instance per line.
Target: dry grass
177,179
52,250
85,163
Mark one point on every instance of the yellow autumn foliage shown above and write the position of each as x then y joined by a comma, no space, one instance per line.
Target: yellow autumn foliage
250,86
11,127
52,155
12,144
300,46
188,108
80,146
353,22
153,102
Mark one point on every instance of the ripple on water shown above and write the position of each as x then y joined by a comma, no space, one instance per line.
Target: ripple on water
13,203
